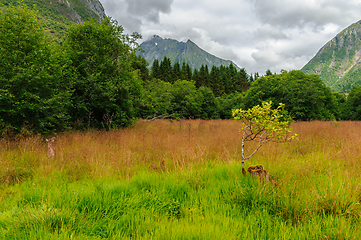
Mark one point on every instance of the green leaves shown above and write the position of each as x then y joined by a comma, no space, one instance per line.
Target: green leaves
30,97
305,96
263,124
104,83
261,119
353,104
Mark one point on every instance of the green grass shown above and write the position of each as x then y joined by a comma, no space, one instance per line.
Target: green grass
207,203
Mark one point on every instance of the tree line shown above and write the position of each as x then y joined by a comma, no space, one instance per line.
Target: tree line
221,80
94,79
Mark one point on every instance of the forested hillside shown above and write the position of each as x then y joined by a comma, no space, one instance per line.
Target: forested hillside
95,80
57,15
338,62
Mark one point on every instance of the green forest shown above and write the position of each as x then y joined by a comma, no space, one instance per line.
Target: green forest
94,79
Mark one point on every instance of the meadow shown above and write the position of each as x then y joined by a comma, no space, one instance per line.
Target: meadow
182,180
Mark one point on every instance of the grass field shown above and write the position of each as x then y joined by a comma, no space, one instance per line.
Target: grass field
182,180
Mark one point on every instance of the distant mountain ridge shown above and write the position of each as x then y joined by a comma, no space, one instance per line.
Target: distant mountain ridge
157,47
338,62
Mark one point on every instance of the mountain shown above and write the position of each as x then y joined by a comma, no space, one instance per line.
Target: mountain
57,15
338,62
157,47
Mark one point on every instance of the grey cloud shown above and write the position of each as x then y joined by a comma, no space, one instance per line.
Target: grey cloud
290,13
132,14
149,9
268,32
255,34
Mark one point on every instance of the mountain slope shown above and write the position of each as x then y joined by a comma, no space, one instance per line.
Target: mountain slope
338,62
57,15
157,47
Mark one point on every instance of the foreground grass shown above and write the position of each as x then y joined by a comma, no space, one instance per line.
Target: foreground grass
212,203
111,185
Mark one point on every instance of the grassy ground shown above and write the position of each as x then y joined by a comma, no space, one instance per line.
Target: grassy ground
114,185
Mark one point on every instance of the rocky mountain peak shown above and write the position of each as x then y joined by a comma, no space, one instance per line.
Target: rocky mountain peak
157,47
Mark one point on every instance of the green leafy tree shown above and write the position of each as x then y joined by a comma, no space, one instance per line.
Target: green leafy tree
306,96
208,109
186,101
353,104
268,72
226,103
34,86
105,87
262,124
340,101
158,100
140,65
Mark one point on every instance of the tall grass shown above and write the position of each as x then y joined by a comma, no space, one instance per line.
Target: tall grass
114,185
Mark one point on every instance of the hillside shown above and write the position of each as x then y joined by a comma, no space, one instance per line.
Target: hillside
157,47
338,62
57,15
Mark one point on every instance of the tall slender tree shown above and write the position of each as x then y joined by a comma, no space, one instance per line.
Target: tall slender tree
166,69
186,72
176,73
155,69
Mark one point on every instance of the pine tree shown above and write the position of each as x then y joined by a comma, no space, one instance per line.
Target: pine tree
203,76
242,82
195,77
214,81
176,73
166,70
155,69
186,72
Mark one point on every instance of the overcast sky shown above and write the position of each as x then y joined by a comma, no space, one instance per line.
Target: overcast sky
255,34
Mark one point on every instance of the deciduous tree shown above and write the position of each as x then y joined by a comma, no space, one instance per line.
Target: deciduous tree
105,84
34,85
262,124
306,97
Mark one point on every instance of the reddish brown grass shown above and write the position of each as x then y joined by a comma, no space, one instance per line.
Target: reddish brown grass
182,144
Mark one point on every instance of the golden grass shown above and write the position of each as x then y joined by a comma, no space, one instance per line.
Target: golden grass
321,146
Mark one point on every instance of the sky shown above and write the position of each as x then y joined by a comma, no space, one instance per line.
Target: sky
255,34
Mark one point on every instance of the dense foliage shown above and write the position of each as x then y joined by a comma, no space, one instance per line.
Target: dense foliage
104,84
221,80
87,81
35,89
94,79
305,96
353,104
